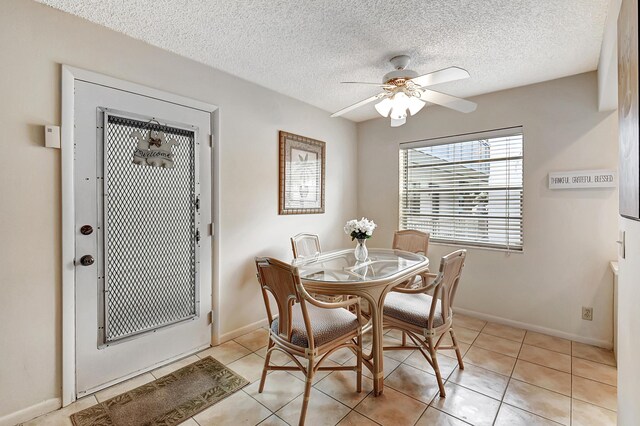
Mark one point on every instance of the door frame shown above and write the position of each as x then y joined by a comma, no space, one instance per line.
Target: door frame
69,76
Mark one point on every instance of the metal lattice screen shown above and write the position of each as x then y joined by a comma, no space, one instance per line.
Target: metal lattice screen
150,231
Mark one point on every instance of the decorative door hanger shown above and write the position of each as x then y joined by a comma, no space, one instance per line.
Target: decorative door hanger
153,149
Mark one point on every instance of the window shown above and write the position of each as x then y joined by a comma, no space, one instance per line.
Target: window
465,189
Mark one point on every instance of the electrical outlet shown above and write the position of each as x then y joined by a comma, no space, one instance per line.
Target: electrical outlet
587,313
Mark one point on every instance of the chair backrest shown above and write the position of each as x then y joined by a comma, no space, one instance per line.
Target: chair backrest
282,281
446,284
411,240
304,245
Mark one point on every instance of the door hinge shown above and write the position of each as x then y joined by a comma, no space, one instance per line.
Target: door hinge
198,203
211,141
211,229
210,317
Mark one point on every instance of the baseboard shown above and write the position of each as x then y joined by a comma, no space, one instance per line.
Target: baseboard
242,330
532,327
31,412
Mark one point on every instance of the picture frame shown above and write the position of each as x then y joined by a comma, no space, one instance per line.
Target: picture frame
302,174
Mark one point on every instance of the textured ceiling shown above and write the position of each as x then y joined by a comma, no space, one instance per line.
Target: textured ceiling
305,48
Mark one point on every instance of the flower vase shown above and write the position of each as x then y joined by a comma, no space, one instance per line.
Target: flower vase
361,253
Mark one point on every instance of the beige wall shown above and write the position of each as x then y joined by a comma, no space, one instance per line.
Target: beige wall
34,41
568,234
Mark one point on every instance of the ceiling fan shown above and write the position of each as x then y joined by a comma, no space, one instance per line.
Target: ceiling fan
404,90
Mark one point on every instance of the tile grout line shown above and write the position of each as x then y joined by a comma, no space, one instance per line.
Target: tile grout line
272,414
314,387
450,415
531,362
362,414
243,389
269,409
592,379
504,393
457,367
531,384
571,399
449,377
421,413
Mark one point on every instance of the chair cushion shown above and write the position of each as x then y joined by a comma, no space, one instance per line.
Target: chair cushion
412,308
327,324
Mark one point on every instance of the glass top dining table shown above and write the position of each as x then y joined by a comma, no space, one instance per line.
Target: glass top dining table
341,265
339,273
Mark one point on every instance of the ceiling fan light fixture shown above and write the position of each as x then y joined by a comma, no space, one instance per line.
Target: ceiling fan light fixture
415,105
400,105
384,107
397,114
397,122
405,92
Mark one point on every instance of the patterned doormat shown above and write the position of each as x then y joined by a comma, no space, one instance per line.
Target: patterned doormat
167,401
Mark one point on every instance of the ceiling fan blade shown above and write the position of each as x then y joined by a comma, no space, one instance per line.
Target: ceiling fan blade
448,101
359,104
369,84
441,76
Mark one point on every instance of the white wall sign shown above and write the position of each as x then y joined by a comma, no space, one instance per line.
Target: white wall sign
583,179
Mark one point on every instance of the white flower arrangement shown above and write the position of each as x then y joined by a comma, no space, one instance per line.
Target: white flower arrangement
359,229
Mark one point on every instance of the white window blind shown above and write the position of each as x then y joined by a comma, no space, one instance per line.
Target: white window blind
465,189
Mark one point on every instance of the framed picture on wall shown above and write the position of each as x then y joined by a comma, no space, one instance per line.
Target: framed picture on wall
301,186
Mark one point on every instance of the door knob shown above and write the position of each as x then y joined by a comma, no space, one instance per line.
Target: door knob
87,260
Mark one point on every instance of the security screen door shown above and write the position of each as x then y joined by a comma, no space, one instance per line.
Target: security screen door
142,176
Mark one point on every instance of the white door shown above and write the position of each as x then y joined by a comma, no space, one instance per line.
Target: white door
142,177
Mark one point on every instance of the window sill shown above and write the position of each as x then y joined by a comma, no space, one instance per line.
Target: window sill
469,247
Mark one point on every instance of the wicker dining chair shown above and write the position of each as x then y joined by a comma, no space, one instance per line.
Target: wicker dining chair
411,240
414,242
306,327
304,245
427,319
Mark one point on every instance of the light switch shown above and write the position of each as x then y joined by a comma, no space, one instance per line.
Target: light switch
52,136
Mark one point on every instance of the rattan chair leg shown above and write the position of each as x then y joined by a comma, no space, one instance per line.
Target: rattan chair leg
359,365
267,357
307,391
455,344
436,367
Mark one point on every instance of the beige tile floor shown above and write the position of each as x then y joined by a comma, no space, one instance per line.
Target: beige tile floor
511,377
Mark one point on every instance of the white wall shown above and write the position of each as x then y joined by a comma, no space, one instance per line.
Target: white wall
568,234
34,41
629,326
